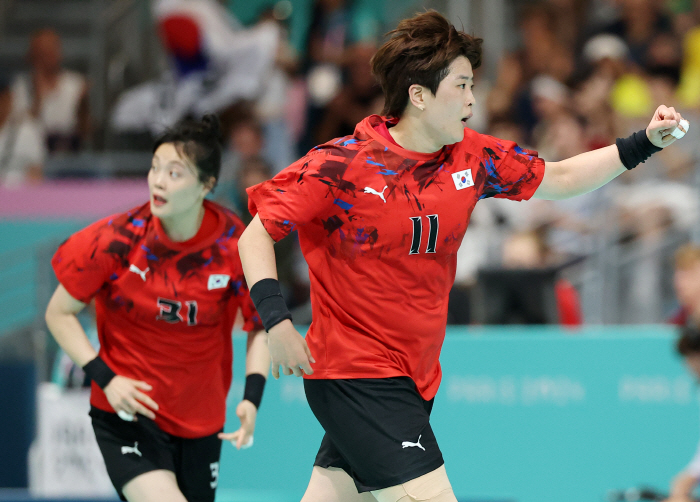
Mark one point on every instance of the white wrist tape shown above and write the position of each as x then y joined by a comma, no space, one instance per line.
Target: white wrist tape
248,444
681,129
128,417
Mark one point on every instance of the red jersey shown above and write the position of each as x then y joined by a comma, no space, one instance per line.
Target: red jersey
379,227
165,310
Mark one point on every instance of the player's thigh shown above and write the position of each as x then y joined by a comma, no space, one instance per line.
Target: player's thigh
197,470
431,487
379,430
154,486
332,484
130,449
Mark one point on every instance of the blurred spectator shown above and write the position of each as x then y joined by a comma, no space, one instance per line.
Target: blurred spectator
529,250
281,104
57,97
540,54
359,97
558,134
639,21
689,90
329,32
335,26
22,146
252,170
646,271
605,61
245,141
328,36
686,280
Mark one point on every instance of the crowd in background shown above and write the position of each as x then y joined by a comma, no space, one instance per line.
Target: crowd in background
581,73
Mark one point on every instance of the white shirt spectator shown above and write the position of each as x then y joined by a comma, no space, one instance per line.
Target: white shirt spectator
59,108
21,148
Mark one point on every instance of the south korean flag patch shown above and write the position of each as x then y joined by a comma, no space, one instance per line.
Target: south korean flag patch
218,281
463,179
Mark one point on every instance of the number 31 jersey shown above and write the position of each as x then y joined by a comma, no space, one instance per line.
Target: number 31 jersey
165,310
379,227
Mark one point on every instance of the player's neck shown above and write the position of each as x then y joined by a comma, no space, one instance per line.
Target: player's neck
184,226
411,134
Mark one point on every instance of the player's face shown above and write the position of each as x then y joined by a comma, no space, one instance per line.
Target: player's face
447,112
687,284
173,183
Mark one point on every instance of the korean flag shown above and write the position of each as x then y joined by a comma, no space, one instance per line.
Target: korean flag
218,281
463,179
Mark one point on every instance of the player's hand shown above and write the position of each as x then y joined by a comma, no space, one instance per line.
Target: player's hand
679,498
127,396
664,121
289,350
243,437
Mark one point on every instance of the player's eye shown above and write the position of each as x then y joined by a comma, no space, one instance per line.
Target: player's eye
463,86
175,174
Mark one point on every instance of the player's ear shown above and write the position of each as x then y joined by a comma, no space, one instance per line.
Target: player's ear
208,186
416,96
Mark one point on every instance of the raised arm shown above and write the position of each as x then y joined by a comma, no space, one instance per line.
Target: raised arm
288,348
586,172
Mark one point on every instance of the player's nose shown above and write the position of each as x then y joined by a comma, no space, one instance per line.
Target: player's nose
158,179
470,99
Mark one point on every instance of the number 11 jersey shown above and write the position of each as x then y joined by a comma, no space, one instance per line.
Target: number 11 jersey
379,227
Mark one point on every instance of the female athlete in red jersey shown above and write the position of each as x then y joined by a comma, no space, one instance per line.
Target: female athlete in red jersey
168,284
380,216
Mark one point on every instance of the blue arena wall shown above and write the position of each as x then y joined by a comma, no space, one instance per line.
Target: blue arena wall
523,414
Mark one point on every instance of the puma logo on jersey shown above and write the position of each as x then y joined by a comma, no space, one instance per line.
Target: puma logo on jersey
408,444
373,191
132,449
218,281
133,268
463,179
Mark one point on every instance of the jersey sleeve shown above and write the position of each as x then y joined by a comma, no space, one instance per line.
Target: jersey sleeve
511,172
300,193
86,260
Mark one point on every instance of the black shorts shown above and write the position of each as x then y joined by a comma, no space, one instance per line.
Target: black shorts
133,448
377,430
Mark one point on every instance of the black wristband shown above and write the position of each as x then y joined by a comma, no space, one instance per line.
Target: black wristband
254,387
98,371
269,303
635,149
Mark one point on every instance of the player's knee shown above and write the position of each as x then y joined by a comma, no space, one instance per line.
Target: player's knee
431,487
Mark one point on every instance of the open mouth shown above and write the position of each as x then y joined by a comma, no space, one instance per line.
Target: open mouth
158,200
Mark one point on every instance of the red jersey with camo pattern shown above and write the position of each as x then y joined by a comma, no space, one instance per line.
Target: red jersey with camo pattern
379,227
165,310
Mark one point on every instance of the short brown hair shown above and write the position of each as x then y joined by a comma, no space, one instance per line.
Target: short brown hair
687,256
420,51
